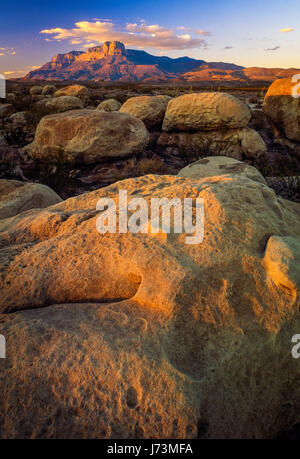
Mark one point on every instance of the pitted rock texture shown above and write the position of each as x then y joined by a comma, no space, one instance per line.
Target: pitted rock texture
142,335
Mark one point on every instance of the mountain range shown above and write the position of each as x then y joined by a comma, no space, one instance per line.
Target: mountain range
113,62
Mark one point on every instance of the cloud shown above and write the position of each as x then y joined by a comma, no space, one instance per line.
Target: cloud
89,45
272,49
75,41
9,72
204,33
289,29
138,34
7,52
227,47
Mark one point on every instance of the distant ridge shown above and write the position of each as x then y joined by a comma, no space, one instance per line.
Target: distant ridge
113,62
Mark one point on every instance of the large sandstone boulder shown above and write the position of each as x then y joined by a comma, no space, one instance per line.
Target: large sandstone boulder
63,104
149,109
213,166
235,143
36,90
49,89
282,109
109,105
76,90
16,197
142,335
205,111
87,136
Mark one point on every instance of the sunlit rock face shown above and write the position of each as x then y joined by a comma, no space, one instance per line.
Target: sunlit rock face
74,90
204,112
109,48
282,108
142,335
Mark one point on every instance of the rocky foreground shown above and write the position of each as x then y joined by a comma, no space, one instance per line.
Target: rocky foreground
142,335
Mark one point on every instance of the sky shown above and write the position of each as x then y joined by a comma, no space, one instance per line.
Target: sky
260,33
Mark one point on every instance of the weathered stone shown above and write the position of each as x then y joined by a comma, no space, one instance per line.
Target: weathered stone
36,90
87,136
75,90
234,143
16,197
49,89
63,104
109,105
282,109
205,111
282,260
252,143
149,109
214,166
142,335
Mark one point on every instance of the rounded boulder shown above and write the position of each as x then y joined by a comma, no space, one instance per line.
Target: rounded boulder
149,109
63,103
283,109
76,90
109,105
205,111
87,136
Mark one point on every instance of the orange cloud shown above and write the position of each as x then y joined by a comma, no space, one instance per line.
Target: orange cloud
289,29
136,34
204,33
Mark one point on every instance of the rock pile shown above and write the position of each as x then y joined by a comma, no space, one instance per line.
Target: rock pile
210,124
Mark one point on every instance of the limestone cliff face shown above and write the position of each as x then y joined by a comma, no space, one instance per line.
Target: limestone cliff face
113,48
62,60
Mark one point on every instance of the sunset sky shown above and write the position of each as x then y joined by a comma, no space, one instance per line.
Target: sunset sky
250,33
